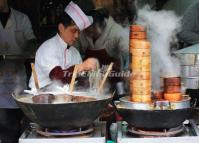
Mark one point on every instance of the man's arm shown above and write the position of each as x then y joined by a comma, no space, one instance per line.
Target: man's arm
30,46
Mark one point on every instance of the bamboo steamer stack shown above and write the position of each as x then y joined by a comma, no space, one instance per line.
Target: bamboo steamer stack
140,65
172,88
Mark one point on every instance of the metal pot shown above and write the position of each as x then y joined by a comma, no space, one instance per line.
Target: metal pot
191,82
189,59
190,70
64,113
152,119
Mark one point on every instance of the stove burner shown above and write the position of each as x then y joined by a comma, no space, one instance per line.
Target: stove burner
73,132
161,133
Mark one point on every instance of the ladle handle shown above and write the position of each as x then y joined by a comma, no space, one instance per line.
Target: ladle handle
35,76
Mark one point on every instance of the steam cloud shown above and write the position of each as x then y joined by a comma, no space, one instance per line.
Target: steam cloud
162,27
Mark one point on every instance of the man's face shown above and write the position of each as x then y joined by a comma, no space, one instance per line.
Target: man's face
69,34
93,31
3,4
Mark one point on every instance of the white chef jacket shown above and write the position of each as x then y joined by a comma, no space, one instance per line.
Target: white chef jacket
52,53
114,39
17,30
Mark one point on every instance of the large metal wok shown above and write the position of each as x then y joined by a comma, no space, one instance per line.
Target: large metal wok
62,111
144,116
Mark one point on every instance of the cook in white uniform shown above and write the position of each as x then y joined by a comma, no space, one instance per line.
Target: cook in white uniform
15,30
15,36
55,58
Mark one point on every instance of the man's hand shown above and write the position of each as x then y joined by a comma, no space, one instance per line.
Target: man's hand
88,64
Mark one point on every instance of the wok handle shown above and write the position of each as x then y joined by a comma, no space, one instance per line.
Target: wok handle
118,96
120,91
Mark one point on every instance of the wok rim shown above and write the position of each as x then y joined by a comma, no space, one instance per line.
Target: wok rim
109,97
124,103
166,110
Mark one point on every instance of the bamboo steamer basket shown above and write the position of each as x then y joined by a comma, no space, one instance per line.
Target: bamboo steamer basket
141,63
137,60
138,35
140,75
140,91
141,98
172,89
141,68
172,96
172,81
141,83
139,44
141,52
134,28
172,84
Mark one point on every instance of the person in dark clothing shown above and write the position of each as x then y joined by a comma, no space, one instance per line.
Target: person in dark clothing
189,34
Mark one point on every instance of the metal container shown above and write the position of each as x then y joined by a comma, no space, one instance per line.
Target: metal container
189,59
190,70
191,82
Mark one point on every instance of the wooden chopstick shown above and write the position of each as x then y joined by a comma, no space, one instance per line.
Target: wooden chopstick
105,77
35,76
73,78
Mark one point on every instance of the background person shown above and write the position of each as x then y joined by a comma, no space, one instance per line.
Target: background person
189,34
17,40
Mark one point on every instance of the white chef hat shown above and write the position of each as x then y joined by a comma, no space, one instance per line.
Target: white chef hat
78,16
